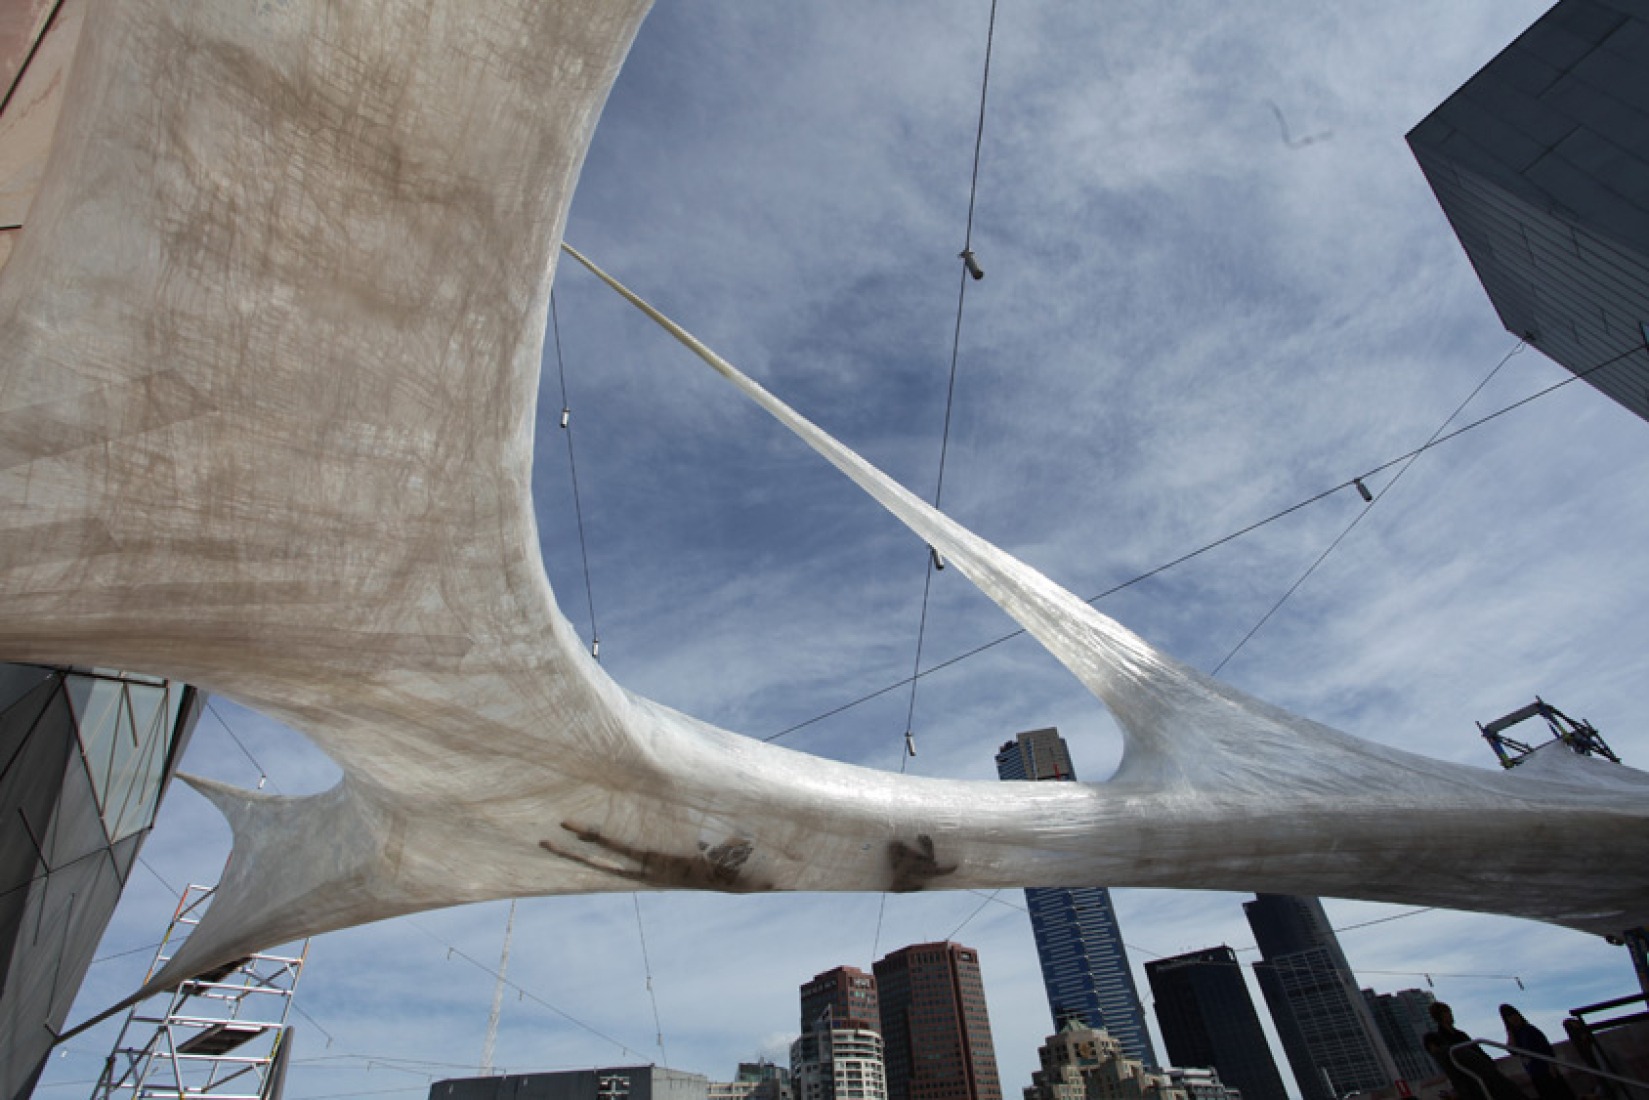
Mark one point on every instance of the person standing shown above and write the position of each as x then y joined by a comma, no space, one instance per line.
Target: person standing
1471,1072
1520,1033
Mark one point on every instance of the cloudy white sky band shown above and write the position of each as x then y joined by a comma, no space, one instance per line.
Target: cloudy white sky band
1186,325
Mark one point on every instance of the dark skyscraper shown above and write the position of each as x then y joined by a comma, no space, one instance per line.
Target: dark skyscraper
1208,1019
1326,1028
1078,941
1403,1019
935,1026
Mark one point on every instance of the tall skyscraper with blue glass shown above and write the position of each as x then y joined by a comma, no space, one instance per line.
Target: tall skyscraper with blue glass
1084,965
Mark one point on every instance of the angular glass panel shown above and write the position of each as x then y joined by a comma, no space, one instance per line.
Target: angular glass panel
125,855
17,724
174,703
92,698
147,705
124,759
134,810
17,681
97,709
130,802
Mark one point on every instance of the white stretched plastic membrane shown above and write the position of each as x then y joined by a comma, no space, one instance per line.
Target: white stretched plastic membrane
269,347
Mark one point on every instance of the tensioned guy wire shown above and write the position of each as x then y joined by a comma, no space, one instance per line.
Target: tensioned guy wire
970,268
572,467
595,633
263,776
1368,502
647,969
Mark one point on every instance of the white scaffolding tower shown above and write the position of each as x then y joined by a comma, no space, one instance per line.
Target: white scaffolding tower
223,1034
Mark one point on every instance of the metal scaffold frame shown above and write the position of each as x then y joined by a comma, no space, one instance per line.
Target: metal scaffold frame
223,1034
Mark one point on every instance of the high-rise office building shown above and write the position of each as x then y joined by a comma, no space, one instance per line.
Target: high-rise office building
936,1027
1541,164
1326,1028
1404,1018
85,757
839,1054
1207,1018
1078,941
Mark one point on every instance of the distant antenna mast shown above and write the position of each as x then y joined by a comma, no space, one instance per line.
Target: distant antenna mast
1580,737
498,996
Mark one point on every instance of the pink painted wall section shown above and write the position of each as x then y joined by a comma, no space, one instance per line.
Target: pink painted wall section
37,45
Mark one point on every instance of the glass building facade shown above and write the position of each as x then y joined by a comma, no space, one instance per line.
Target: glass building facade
935,1027
85,756
1078,940
1325,1026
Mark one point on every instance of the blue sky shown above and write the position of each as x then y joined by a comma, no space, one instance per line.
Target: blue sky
1187,325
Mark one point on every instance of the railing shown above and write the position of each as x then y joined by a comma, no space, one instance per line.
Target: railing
1547,1058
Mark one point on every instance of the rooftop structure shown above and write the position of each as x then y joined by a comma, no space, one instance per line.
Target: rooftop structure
611,1083
843,997
760,1080
1083,1063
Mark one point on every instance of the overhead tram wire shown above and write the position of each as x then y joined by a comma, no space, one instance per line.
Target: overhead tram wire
1138,578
